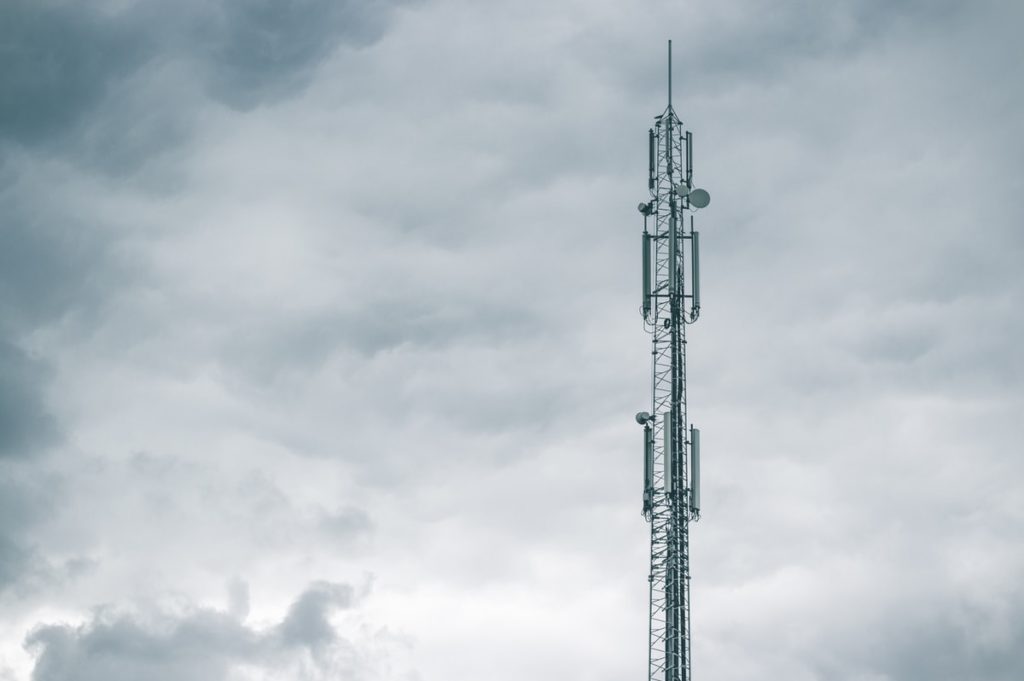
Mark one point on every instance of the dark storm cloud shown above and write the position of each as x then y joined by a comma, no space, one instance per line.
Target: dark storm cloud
27,426
25,423
306,623
67,62
25,501
265,49
200,644
16,514
52,262
59,61
51,266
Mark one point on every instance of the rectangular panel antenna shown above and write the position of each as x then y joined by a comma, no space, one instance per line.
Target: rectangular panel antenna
667,435
695,469
648,466
650,159
646,270
695,268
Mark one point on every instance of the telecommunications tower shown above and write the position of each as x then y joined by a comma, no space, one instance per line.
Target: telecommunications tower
671,301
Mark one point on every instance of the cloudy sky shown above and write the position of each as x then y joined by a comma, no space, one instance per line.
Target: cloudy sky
320,338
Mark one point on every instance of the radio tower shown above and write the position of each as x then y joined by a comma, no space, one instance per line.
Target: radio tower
671,301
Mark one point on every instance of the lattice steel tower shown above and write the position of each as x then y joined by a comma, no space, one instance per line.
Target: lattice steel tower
671,301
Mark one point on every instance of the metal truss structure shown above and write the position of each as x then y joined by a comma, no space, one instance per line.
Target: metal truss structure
671,301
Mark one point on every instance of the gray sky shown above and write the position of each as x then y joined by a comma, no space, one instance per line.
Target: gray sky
321,346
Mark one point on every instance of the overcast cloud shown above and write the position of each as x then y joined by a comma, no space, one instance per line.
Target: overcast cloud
321,346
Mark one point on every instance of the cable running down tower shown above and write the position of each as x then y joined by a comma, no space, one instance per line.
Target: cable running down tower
671,301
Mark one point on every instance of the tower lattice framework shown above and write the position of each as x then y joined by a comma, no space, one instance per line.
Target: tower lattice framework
671,302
